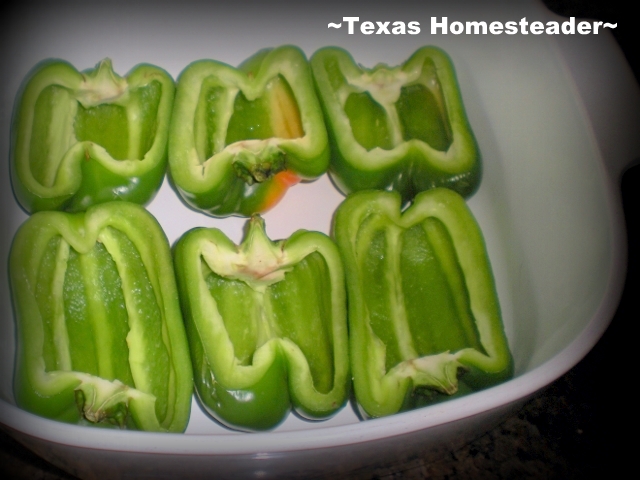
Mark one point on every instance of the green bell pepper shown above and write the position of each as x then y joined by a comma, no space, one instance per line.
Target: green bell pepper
100,333
241,137
422,302
266,323
79,139
402,128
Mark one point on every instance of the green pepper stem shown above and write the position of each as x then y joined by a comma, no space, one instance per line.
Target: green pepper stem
102,85
257,167
435,371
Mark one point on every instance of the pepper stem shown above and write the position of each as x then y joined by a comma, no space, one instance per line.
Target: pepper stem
439,372
256,167
263,258
255,238
103,401
101,85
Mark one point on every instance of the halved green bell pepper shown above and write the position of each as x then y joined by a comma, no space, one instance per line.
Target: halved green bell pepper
266,323
82,138
422,302
100,334
396,128
241,137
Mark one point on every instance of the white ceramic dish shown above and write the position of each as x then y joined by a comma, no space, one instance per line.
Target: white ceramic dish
556,118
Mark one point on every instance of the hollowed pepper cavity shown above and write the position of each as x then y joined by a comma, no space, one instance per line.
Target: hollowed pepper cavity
241,137
396,128
100,334
424,318
266,323
83,138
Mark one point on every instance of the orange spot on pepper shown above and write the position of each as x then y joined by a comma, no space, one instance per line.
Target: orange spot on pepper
281,183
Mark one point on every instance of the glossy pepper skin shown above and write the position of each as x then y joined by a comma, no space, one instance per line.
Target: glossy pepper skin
83,138
423,308
100,334
241,137
266,323
396,128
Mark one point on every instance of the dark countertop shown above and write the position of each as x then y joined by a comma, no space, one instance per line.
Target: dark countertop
572,429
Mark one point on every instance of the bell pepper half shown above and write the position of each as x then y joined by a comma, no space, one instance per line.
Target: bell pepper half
266,323
241,137
82,138
423,309
396,128
100,334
